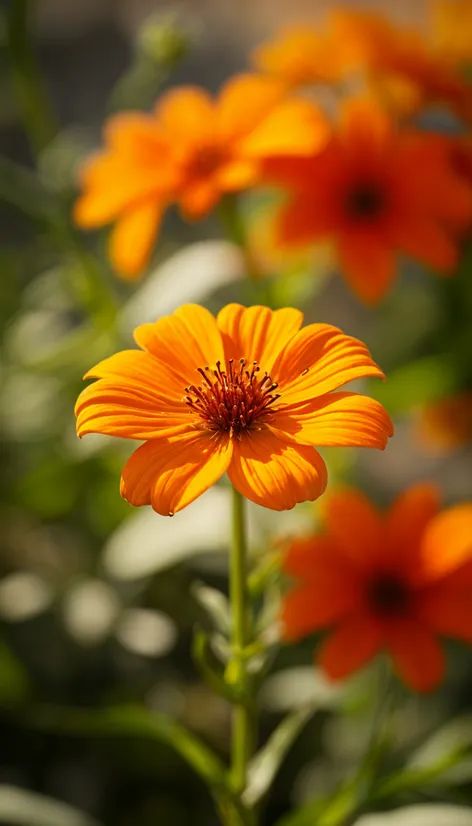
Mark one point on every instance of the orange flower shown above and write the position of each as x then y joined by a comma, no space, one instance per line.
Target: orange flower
248,393
451,29
191,150
446,424
395,581
375,191
300,56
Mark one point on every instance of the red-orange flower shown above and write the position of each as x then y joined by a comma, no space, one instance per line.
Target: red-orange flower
376,191
446,424
394,581
248,393
191,150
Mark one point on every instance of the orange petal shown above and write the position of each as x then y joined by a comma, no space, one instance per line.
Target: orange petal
417,656
187,115
304,219
244,101
368,264
171,473
427,242
319,359
348,648
199,198
274,474
294,127
336,419
134,133
447,610
133,238
307,557
309,608
447,542
184,341
355,525
257,333
406,522
237,174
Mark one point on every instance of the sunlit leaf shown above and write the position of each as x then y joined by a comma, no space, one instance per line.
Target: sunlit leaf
24,808
266,763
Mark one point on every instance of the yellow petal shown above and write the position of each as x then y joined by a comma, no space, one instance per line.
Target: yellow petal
257,333
133,237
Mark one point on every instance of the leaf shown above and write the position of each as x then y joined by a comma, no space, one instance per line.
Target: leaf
22,189
266,763
421,815
215,604
135,721
25,808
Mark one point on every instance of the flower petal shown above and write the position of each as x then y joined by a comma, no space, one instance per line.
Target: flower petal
417,655
133,237
426,241
257,333
199,198
368,264
274,474
355,525
349,647
187,115
294,127
319,359
244,101
336,419
170,474
447,611
184,341
406,522
447,542
310,607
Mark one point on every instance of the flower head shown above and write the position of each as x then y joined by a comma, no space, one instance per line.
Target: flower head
248,393
375,191
191,150
393,581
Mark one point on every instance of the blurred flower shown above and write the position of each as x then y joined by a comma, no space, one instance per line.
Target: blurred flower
375,191
196,394
191,150
446,424
300,56
395,581
451,29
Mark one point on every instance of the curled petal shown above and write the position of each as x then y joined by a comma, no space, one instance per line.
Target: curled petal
170,473
319,359
276,475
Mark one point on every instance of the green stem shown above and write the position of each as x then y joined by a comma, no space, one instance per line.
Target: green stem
35,109
242,735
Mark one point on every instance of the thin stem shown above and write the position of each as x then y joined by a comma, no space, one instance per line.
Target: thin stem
242,735
35,110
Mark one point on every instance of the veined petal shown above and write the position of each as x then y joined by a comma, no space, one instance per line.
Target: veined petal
447,542
184,341
355,526
274,474
349,647
138,369
337,419
257,333
170,473
294,127
447,610
133,237
327,600
319,359
418,657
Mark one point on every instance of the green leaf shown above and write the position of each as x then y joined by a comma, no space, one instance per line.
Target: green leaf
266,763
24,808
208,667
23,190
215,604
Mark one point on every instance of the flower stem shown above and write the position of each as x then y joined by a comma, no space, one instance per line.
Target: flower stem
242,734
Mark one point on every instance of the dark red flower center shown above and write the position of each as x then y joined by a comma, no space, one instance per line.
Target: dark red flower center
365,200
205,161
232,401
388,596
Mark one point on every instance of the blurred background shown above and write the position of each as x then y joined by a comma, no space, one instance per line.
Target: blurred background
96,599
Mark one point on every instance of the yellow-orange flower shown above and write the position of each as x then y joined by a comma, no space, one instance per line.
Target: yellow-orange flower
191,150
249,393
451,29
376,191
446,424
394,581
299,56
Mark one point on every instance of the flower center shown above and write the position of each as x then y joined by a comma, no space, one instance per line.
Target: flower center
388,596
205,161
232,401
364,201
